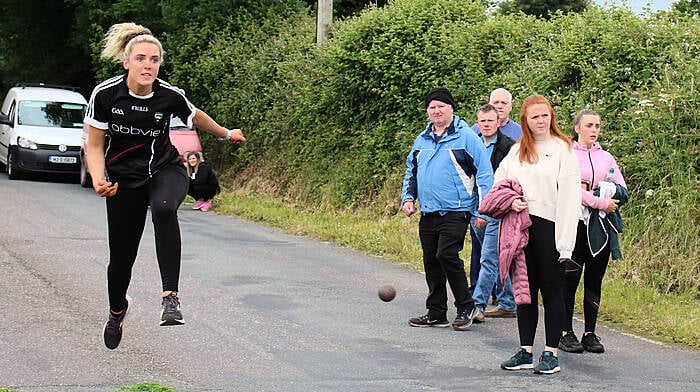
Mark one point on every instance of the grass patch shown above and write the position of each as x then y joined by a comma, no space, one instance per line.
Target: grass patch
669,318
627,305
146,387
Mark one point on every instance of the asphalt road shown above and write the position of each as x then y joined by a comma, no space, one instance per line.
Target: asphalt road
265,311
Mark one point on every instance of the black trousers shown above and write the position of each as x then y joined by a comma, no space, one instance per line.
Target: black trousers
442,238
593,269
546,277
126,219
205,192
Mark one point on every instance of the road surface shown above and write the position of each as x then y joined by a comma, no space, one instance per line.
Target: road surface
265,311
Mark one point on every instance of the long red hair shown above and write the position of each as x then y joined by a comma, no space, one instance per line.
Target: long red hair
528,153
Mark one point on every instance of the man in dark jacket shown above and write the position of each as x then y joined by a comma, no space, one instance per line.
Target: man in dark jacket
486,233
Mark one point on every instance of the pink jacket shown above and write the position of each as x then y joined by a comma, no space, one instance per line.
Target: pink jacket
513,235
595,164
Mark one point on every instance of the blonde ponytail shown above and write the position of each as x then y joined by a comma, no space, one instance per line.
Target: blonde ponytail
121,37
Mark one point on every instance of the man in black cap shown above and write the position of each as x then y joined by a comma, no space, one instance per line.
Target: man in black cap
448,170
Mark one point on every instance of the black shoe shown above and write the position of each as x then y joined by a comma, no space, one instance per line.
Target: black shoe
591,343
113,329
425,321
171,314
465,318
570,343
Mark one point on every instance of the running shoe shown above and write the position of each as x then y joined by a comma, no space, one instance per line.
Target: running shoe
114,327
171,314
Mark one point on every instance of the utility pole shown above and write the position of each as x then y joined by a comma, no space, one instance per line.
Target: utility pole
324,18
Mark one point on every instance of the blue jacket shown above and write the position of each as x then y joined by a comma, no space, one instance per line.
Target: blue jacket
452,174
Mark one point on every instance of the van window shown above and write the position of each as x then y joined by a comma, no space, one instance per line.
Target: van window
12,112
51,114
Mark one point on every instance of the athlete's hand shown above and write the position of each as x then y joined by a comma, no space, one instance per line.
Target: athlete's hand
237,136
105,188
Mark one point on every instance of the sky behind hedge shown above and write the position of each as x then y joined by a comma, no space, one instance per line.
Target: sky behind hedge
637,5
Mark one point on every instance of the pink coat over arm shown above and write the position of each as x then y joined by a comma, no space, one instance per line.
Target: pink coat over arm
513,235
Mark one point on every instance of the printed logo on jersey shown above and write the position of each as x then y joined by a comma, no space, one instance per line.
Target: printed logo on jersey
131,130
117,111
158,116
140,108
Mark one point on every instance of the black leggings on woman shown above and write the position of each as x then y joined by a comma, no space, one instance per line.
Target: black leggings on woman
592,280
126,219
546,276
204,192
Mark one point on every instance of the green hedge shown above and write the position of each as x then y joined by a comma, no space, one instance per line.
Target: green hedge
329,126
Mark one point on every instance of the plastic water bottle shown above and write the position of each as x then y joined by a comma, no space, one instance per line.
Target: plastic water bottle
607,187
610,177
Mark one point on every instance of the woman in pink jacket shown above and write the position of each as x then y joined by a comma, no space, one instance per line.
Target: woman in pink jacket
596,165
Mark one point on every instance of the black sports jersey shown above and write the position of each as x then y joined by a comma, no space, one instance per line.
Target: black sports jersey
138,127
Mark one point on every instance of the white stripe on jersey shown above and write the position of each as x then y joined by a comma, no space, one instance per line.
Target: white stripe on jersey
180,91
104,85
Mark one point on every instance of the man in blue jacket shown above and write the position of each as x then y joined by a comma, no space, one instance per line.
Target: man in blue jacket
448,171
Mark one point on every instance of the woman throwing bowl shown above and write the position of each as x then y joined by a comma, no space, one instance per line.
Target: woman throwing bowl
597,165
134,165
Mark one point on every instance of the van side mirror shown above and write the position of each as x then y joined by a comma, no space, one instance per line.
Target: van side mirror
5,120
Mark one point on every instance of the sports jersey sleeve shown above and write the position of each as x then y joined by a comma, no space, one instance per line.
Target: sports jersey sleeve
185,110
181,107
98,108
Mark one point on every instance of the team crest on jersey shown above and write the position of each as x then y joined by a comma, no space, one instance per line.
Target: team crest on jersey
158,116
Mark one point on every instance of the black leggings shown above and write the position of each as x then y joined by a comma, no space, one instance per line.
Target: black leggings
126,219
546,276
595,268
204,192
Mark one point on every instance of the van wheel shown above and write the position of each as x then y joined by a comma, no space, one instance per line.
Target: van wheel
12,172
85,179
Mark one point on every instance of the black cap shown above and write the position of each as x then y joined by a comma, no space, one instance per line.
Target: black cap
441,94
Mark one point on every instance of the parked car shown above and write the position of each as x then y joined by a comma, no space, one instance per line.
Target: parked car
40,129
185,139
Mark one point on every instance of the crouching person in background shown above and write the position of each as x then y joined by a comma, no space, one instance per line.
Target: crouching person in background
203,182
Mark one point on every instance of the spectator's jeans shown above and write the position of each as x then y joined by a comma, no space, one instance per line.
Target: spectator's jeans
488,273
442,238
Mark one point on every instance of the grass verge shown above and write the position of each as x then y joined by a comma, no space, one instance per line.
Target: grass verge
669,318
140,387
146,387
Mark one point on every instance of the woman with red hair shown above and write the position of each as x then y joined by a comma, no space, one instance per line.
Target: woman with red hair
545,166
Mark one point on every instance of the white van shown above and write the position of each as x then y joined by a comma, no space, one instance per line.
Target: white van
41,129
